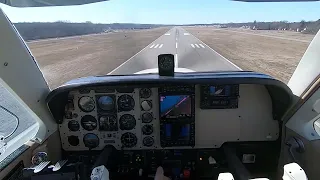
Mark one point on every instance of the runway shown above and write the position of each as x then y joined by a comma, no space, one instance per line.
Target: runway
190,53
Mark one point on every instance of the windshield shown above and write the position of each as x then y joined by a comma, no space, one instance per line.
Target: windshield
125,37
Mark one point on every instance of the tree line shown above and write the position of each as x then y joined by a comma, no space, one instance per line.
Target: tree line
42,30
310,27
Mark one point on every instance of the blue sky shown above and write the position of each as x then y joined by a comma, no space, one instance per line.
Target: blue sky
168,12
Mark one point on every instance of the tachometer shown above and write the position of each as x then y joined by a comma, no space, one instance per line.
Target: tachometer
86,104
125,103
127,122
128,139
88,122
145,92
106,103
91,140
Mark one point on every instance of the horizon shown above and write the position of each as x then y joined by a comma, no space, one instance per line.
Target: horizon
61,21
165,12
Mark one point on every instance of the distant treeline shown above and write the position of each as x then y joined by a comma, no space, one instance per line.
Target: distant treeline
311,27
40,30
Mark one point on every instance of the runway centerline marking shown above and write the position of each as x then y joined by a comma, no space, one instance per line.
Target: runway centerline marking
167,34
192,45
156,46
186,34
133,56
197,45
176,45
202,45
152,45
176,61
160,45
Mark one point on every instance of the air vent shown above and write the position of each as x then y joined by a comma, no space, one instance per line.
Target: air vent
16,172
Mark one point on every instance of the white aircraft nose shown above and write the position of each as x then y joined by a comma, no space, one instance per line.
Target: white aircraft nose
155,70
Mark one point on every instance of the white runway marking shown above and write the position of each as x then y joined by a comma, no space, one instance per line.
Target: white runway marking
176,61
167,34
197,45
218,53
176,45
186,34
156,46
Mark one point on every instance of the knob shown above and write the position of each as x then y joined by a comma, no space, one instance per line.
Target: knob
146,105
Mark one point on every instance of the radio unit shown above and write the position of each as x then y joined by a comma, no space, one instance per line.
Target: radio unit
219,96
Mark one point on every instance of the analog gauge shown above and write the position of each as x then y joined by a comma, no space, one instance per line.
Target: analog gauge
165,63
86,104
73,140
108,123
127,122
106,103
147,129
146,117
125,102
73,125
39,157
88,122
148,141
145,92
146,105
128,139
91,140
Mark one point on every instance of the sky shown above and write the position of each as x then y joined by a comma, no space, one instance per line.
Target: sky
168,12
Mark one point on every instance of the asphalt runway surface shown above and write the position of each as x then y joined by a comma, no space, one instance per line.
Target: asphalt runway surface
190,53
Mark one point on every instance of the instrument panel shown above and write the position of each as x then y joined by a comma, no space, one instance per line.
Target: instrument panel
167,117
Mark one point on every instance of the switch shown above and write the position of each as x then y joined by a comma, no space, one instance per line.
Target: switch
212,160
186,174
